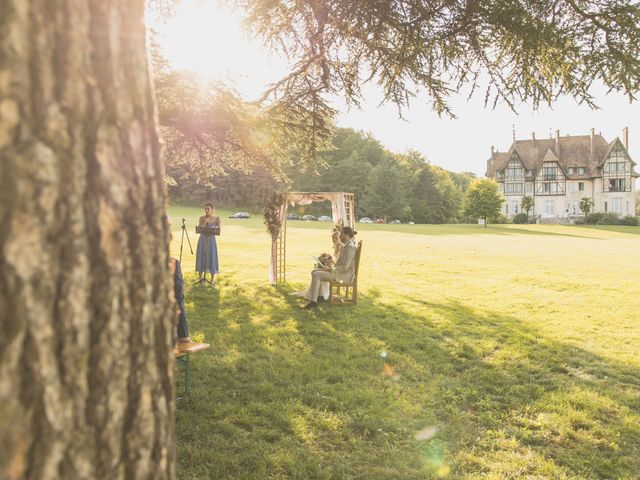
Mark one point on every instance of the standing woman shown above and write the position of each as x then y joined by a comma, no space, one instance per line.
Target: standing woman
207,243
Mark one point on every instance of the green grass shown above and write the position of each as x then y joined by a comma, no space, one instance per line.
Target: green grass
519,344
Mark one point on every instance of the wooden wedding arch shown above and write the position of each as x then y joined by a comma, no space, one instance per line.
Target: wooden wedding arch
342,212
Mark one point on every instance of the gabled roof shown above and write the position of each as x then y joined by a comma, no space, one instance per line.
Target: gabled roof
497,158
569,151
549,157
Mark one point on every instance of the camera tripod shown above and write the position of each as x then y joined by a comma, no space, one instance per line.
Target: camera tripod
184,232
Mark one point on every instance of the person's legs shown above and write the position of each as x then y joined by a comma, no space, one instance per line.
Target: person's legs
317,277
183,330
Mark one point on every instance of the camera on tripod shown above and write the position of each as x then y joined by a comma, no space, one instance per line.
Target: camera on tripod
184,232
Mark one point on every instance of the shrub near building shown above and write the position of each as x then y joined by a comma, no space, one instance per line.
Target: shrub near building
521,218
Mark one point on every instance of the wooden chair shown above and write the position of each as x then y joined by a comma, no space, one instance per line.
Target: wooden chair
346,293
182,352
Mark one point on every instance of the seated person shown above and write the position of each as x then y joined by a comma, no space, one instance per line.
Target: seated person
178,291
329,260
337,245
343,271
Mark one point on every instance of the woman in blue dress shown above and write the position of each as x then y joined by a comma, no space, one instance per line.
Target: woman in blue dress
207,252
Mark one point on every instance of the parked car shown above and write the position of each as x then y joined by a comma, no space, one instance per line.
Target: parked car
412,223
309,217
324,218
379,220
366,220
293,216
240,215
395,222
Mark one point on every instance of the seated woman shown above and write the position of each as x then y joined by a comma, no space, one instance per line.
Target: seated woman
328,261
337,245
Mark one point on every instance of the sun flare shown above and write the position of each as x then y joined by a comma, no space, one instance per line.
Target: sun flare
209,39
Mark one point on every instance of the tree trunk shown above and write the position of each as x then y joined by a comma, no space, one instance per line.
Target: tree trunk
86,319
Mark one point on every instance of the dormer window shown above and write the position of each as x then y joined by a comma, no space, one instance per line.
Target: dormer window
514,168
572,170
581,170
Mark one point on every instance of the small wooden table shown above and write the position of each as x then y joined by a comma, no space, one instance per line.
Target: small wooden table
182,352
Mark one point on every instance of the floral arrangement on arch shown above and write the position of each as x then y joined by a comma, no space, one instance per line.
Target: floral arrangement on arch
272,213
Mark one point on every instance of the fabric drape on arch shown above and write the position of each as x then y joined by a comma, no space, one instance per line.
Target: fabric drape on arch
342,212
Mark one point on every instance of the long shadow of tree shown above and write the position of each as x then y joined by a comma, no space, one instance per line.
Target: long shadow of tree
286,393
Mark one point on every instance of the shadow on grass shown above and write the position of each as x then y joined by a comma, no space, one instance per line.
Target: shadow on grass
465,229
614,228
290,393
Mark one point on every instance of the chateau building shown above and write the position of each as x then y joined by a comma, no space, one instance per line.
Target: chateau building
558,172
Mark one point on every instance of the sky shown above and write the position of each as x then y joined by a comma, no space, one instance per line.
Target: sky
210,40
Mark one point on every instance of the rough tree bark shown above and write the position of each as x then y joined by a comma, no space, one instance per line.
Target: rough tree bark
86,324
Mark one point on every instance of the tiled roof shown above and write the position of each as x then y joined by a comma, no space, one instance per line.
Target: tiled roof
571,151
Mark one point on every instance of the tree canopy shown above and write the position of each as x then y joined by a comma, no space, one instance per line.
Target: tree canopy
525,51
209,130
483,200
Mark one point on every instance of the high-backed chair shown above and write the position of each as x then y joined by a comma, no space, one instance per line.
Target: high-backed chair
346,293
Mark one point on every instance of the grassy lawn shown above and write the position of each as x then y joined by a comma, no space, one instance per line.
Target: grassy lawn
512,352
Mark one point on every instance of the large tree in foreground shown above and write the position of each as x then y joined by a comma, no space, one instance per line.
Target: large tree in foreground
86,389
86,385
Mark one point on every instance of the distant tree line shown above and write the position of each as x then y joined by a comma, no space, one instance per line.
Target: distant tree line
387,185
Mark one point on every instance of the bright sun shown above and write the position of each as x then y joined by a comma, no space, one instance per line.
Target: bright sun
208,39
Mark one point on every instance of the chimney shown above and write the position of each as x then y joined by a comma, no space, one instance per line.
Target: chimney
491,151
558,143
593,136
533,136
625,138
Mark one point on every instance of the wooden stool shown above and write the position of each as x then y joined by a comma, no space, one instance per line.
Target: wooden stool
182,352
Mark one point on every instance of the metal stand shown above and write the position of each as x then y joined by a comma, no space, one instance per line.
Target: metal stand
207,232
184,232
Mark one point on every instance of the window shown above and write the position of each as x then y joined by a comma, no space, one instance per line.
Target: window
514,207
514,168
571,170
548,207
616,204
606,207
581,186
513,188
616,184
514,172
529,188
581,170
549,173
506,209
615,167
574,207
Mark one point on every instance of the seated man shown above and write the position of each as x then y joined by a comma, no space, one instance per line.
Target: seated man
178,291
344,269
